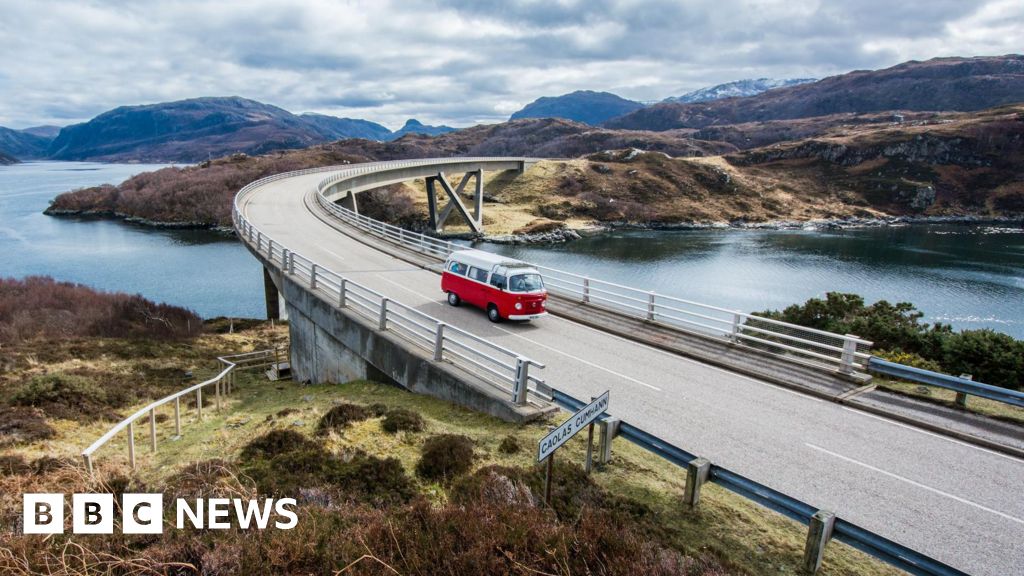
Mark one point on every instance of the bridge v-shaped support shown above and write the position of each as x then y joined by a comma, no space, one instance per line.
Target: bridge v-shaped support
437,220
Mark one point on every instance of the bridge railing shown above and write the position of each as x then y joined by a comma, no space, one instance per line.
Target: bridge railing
830,351
878,546
957,384
222,384
501,367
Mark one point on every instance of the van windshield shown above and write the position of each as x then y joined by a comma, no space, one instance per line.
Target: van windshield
525,283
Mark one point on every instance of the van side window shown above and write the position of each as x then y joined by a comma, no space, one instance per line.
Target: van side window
477,274
457,268
498,280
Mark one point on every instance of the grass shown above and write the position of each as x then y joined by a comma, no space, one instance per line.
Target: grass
741,533
944,397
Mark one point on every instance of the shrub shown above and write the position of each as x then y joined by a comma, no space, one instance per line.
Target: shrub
20,424
377,409
341,416
509,445
66,396
445,456
42,307
277,442
401,419
13,464
990,357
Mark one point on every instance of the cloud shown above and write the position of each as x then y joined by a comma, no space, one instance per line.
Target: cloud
454,61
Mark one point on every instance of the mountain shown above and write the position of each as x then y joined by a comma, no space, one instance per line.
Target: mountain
940,84
413,126
338,128
737,89
48,132
6,160
22,145
581,106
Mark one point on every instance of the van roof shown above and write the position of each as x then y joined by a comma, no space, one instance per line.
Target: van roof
487,260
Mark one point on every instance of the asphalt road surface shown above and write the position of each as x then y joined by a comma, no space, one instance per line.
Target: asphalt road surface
958,503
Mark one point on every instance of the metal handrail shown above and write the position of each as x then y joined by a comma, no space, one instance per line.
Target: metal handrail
501,366
961,385
864,540
845,353
223,382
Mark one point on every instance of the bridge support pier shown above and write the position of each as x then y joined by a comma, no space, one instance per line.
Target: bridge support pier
349,202
439,217
271,296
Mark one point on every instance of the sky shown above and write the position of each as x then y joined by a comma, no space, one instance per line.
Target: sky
456,62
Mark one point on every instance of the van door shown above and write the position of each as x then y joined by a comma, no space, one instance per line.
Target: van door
478,289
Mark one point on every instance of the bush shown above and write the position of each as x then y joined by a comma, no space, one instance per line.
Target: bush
377,409
67,396
509,445
402,419
277,442
20,424
988,356
13,464
340,417
42,307
445,456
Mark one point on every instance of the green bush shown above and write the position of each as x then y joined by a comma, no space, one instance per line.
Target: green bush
341,416
445,456
402,419
989,356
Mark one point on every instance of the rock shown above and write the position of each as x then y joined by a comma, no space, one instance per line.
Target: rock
601,168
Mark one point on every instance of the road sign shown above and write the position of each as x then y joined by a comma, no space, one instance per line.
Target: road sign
571,426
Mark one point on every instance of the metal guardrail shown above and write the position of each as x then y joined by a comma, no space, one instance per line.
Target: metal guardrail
817,348
222,383
501,367
847,532
961,385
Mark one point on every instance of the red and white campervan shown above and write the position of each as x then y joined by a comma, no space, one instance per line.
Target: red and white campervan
505,288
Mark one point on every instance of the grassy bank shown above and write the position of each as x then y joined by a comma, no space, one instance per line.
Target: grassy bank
625,518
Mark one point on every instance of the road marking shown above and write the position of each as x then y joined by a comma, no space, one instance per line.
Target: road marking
581,360
933,434
409,290
915,483
332,253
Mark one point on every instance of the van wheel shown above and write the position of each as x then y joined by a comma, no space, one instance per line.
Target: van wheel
454,299
492,313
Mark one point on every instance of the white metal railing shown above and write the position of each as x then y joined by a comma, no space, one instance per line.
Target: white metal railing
842,352
500,367
223,383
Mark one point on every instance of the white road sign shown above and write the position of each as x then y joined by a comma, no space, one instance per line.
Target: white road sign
570,427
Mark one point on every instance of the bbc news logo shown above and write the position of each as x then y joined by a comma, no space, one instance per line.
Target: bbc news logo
144,513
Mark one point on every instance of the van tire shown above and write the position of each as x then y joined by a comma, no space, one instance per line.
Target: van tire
492,313
453,299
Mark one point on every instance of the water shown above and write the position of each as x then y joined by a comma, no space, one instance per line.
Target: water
206,272
967,276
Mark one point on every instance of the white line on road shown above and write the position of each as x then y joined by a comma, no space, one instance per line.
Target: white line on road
933,434
915,483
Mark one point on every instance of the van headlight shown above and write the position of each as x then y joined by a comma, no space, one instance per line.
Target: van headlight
519,305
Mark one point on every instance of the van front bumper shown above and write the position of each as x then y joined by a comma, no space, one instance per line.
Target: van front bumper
527,316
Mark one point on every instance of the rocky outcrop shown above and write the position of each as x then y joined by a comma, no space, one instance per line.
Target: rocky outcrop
925,148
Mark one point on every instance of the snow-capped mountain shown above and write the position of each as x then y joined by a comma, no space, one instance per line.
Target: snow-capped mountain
747,87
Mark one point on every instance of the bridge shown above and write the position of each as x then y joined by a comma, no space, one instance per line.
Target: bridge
363,299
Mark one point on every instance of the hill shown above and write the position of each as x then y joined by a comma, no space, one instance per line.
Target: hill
737,89
187,130
48,132
940,84
334,128
414,126
6,160
22,145
581,106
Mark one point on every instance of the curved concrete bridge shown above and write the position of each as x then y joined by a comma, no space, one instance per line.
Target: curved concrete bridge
949,499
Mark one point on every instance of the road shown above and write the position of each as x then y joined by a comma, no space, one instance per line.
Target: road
956,502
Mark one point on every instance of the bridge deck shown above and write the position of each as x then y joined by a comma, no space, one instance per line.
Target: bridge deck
926,491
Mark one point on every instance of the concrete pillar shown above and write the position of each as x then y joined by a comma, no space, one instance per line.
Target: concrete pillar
349,202
478,197
271,296
432,201
818,534
697,472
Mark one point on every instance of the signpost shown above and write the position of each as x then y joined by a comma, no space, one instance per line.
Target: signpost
566,430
